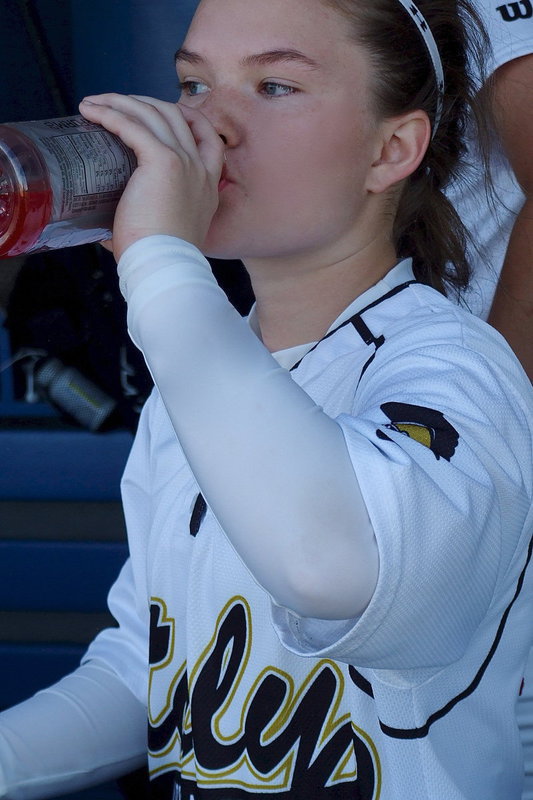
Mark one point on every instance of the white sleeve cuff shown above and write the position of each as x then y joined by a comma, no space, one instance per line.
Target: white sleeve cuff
154,265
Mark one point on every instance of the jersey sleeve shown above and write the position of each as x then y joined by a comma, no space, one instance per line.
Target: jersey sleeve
444,465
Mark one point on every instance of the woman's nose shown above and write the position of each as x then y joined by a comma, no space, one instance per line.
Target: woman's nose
226,113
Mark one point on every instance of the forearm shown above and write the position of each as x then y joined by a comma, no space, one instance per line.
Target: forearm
512,309
273,467
86,729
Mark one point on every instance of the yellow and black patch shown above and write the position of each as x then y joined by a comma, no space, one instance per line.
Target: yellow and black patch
425,425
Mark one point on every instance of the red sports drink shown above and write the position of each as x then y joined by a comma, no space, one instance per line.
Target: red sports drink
60,182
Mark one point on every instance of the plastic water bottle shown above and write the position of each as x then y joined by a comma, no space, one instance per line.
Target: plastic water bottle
60,182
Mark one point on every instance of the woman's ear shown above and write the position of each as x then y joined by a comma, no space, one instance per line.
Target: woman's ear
403,145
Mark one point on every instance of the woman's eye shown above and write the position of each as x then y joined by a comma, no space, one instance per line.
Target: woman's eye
193,88
273,89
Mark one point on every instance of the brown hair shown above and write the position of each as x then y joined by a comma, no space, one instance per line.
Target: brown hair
426,226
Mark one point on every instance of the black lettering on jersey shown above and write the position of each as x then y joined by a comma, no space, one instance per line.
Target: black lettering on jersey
164,728
424,425
173,724
518,10
161,632
291,739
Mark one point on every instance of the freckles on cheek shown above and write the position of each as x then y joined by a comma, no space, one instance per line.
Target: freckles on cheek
297,153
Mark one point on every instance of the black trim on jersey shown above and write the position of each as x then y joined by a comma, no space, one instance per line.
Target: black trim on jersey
377,342
365,333
361,682
423,730
360,326
314,347
388,295
197,516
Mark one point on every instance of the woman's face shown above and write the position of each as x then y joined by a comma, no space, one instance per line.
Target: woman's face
289,91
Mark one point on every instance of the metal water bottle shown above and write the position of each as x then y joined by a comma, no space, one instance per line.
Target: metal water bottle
60,182
69,390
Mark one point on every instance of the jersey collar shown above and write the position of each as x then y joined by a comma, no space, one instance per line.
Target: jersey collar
398,275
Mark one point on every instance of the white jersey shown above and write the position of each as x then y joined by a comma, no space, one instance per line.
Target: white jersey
490,221
415,699
489,217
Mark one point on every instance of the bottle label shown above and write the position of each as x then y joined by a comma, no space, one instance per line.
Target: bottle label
89,168
82,230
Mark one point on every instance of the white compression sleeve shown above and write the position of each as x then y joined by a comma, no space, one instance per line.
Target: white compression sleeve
86,729
273,467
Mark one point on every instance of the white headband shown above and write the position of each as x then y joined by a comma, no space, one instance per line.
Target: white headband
434,54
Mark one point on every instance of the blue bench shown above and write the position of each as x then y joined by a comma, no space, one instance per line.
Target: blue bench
62,543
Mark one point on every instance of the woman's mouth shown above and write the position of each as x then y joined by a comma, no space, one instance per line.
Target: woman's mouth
224,180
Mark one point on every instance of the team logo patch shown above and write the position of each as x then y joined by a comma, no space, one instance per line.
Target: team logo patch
425,425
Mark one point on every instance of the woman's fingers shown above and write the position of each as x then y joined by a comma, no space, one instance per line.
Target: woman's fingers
211,146
174,189
200,136
132,116
135,122
161,116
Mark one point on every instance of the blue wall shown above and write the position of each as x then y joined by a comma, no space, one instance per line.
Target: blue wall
25,91
55,51
128,45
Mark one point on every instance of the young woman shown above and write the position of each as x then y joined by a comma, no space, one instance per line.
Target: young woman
329,504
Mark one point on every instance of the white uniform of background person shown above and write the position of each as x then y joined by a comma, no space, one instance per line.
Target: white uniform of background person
490,219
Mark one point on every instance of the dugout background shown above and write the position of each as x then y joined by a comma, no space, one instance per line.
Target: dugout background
62,537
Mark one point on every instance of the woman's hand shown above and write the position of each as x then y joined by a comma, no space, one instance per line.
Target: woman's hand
174,189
